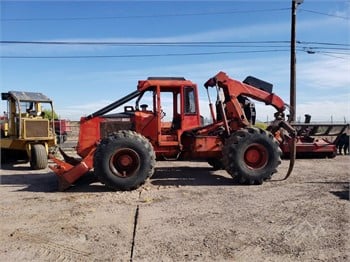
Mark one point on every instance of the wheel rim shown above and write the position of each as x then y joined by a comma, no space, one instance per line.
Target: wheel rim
256,156
124,162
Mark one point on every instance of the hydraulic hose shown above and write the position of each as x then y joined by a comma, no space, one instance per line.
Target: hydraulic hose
292,147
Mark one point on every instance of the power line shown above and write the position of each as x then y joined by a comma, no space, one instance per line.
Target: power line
334,56
172,43
320,13
309,47
306,50
326,53
328,48
28,19
330,52
130,43
322,43
144,55
143,16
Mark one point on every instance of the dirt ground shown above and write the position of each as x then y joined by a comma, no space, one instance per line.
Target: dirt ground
185,212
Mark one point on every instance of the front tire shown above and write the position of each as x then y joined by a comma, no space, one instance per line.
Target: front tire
251,155
124,160
38,158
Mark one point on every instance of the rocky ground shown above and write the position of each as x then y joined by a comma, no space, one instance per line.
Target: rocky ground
185,212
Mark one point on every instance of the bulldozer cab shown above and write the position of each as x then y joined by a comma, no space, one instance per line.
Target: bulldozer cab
172,108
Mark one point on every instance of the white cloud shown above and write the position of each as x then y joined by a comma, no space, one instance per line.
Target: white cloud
324,73
74,112
323,110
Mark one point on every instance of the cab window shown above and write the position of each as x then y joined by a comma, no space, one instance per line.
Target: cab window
190,105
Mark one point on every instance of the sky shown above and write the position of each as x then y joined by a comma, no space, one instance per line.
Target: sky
193,39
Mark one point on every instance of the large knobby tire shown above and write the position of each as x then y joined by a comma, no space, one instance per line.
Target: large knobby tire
38,157
251,155
124,160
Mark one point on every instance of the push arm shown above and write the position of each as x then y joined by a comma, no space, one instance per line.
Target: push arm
114,105
233,88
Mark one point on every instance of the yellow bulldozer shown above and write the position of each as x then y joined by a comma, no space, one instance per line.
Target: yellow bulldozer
25,129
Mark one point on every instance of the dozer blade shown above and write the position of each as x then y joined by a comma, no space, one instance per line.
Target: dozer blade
63,184
67,174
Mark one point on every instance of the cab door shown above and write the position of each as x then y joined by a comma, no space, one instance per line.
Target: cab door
190,108
169,115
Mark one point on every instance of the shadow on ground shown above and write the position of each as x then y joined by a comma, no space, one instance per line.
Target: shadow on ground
15,165
189,176
342,193
30,182
33,181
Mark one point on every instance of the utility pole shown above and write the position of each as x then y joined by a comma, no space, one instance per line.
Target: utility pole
295,3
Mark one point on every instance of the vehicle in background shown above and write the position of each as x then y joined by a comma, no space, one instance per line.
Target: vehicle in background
313,140
26,133
62,129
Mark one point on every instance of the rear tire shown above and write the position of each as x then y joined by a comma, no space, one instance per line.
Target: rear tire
38,158
251,155
124,160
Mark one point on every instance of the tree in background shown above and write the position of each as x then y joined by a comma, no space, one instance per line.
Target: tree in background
48,114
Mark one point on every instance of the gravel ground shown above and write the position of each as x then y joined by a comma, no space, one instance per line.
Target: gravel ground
185,212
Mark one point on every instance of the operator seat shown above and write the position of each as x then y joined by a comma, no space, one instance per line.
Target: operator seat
143,107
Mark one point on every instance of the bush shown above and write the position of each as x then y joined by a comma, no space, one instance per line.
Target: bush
48,114
261,125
